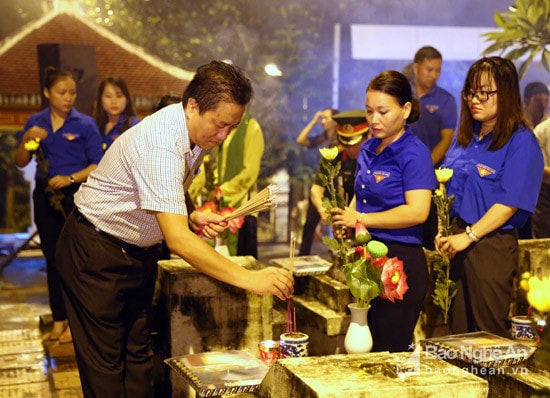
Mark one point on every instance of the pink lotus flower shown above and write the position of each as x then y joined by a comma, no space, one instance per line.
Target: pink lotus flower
208,207
235,224
377,262
362,235
394,280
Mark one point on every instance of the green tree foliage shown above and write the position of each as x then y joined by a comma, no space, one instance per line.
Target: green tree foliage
17,13
251,33
525,31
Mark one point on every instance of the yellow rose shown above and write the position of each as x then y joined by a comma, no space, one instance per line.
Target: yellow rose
329,153
539,293
32,145
443,175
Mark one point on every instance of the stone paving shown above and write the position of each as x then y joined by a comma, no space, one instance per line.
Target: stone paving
31,365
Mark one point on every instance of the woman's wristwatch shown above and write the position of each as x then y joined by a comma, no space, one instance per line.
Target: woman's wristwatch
71,178
471,234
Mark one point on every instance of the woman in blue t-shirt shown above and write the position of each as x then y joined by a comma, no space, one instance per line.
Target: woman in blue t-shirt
71,148
114,112
497,172
394,180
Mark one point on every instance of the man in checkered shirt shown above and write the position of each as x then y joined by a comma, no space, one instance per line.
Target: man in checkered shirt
110,245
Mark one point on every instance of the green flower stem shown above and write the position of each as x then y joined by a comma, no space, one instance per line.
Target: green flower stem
335,198
55,196
447,299
445,288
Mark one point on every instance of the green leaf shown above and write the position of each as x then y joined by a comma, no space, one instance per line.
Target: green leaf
524,66
331,243
494,48
542,22
522,6
340,201
517,53
525,23
527,29
499,19
533,12
545,60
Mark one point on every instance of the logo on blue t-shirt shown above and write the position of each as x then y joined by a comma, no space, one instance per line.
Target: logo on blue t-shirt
380,175
432,108
70,136
484,170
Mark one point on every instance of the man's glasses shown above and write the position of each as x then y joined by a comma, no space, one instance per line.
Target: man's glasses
482,96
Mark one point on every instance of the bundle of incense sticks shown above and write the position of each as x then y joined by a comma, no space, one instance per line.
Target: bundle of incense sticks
265,199
290,321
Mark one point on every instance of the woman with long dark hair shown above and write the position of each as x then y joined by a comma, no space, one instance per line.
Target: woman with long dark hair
114,112
497,172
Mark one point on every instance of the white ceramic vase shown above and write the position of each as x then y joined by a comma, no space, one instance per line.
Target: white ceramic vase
358,337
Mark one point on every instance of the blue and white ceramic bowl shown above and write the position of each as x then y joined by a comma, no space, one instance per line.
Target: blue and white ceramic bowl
294,344
522,328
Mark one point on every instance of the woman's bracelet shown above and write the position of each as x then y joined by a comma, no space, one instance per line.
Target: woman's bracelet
361,218
471,234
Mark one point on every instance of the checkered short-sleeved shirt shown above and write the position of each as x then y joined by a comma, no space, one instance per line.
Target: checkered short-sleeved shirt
147,169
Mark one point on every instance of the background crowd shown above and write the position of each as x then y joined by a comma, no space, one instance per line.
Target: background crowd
132,181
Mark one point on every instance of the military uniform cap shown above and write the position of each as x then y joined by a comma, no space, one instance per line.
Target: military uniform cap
352,126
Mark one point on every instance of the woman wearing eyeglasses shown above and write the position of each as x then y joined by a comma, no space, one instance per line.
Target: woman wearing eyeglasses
498,169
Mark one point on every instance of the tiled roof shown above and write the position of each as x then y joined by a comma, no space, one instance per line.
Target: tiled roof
145,74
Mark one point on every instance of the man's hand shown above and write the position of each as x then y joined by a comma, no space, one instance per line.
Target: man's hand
272,280
210,224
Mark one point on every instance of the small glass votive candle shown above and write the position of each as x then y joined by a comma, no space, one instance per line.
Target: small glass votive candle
269,351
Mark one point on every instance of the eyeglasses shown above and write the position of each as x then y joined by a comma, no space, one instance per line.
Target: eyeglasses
482,96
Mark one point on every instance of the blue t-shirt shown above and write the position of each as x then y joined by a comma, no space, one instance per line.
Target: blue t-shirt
73,147
437,112
116,131
382,180
510,176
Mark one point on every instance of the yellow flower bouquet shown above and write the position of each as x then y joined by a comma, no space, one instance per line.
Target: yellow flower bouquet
42,163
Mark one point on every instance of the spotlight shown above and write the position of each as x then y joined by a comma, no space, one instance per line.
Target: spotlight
273,70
